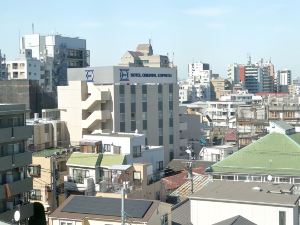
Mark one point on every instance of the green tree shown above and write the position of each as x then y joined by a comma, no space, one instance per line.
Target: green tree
38,217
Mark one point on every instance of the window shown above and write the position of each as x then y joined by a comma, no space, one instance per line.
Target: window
46,128
171,155
15,74
144,107
170,122
160,165
282,218
136,175
164,219
132,89
121,90
133,116
122,126
160,123
144,89
34,170
160,106
35,194
65,223
160,140
160,114
133,125
133,107
106,147
122,117
171,139
122,107
137,151
170,88
170,105
144,124
160,88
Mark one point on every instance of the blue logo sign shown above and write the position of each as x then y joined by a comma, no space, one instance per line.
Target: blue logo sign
89,74
124,74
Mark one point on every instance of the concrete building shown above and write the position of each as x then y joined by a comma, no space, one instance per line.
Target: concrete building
233,73
48,131
86,210
144,57
106,160
216,153
27,92
218,86
49,168
56,53
283,80
3,72
261,203
26,67
200,76
187,92
123,99
14,160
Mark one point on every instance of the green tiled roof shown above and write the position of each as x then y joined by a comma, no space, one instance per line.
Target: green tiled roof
47,152
109,160
96,159
85,159
275,154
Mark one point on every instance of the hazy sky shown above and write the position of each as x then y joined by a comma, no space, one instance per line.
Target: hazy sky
219,32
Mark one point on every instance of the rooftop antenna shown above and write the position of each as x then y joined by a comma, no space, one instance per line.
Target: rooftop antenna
249,59
32,27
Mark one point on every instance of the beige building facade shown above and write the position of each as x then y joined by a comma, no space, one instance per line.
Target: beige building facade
123,99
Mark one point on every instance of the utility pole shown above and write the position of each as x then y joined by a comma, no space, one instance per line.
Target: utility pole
123,215
53,173
189,150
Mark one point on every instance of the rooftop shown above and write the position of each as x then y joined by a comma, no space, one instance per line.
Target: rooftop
181,213
115,134
236,220
49,152
95,159
282,124
180,164
81,207
274,154
248,192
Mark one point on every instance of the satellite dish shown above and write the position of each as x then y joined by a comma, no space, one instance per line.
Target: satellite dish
17,216
269,178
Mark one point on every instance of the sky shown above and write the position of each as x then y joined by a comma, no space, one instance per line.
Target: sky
219,32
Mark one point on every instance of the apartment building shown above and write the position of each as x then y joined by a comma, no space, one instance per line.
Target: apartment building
144,57
25,67
283,80
48,169
123,99
48,131
106,160
15,185
87,210
3,72
218,87
56,53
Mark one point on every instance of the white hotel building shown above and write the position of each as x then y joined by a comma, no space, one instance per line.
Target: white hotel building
123,99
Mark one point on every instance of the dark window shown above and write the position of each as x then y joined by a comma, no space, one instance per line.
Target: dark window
122,107
133,126
122,127
161,140
137,151
160,88
106,148
35,194
160,165
46,128
132,89
170,88
144,124
282,218
144,89
121,89
171,122
170,105
34,170
160,106
160,123
171,139
144,106
132,107
171,155
146,141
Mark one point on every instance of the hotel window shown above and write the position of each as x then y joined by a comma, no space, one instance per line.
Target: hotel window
159,88
122,127
171,139
144,124
160,106
121,89
122,107
171,122
133,107
144,89
122,117
132,89
133,125
144,106
160,123
282,218
170,105
160,140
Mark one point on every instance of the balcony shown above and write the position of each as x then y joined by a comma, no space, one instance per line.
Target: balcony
16,187
26,211
19,160
15,133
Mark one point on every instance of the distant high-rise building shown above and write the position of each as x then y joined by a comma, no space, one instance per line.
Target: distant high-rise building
199,75
3,74
233,73
57,53
283,80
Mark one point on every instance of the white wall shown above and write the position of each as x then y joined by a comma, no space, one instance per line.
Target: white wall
209,212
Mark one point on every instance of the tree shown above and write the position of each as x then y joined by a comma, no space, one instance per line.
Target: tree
38,217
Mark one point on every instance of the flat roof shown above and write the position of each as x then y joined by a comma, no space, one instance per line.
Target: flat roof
80,207
248,192
49,152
